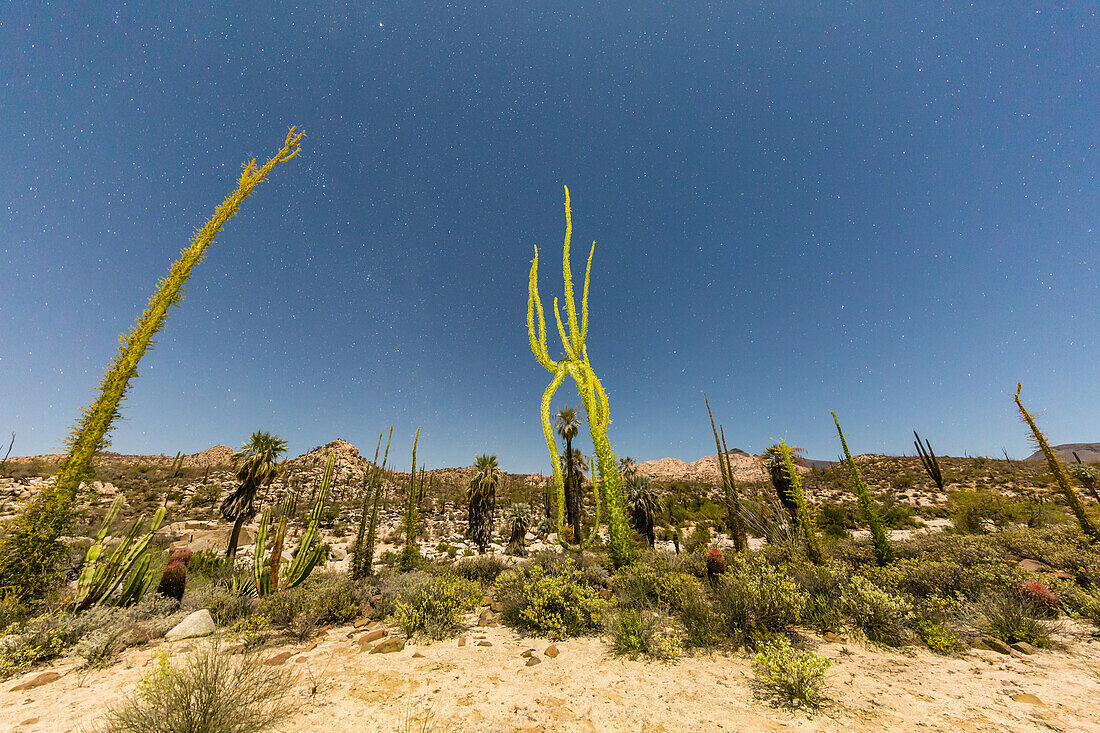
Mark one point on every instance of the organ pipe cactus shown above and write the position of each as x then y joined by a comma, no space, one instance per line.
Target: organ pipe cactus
1088,526
362,555
310,550
99,579
31,551
884,551
575,364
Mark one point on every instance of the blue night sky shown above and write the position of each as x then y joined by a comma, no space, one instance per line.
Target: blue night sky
798,208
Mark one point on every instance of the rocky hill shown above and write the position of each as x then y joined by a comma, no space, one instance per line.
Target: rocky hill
1089,452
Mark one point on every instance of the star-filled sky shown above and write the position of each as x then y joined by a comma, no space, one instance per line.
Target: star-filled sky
886,211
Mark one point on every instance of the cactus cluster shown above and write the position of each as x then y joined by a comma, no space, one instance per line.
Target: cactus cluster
575,364
362,556
127,568
310,551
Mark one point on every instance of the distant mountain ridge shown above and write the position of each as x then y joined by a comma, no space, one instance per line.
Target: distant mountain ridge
1089,452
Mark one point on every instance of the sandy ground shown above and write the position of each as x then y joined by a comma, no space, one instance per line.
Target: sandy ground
489,688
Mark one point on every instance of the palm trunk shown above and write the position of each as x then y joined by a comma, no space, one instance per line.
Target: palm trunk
231,551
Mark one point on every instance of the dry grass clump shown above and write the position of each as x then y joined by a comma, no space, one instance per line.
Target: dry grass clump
210,692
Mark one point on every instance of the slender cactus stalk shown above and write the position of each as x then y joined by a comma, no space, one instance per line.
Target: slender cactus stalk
929,461
1087,525
30,553
729,489
575,364
410,552
884,551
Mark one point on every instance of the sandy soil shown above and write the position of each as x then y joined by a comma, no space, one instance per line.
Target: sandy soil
490,688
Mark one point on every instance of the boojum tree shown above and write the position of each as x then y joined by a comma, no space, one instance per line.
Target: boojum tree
31,552
574,363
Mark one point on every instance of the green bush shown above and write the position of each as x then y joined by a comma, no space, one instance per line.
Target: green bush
482,568
934,616
433,605
883,616
754,600
650,582
790,677
554,602
325,598
635,634
699,539
212,692
822,584
1011,618
983,510
702,627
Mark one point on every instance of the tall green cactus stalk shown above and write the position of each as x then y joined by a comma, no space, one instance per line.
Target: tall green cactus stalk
729,488
31,552
575,364
411,551
804,513
884,551
310,550
367,565
99,580
1087,525
929,461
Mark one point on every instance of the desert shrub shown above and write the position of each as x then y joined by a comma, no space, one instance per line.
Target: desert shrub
702,627
208,563
554,602
228,599
212,692
38,640
699,538
634,634
12,611
650,582
836,519
883,616
435,607
252,630
982,510
1011,617
482,568
790,677
1079,602
754,599
325,598
822,584
934,616
102,647
1063,547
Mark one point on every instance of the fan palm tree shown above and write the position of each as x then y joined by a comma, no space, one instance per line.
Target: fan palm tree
482,498
257,464
574,487
567,423
642,503
519,521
